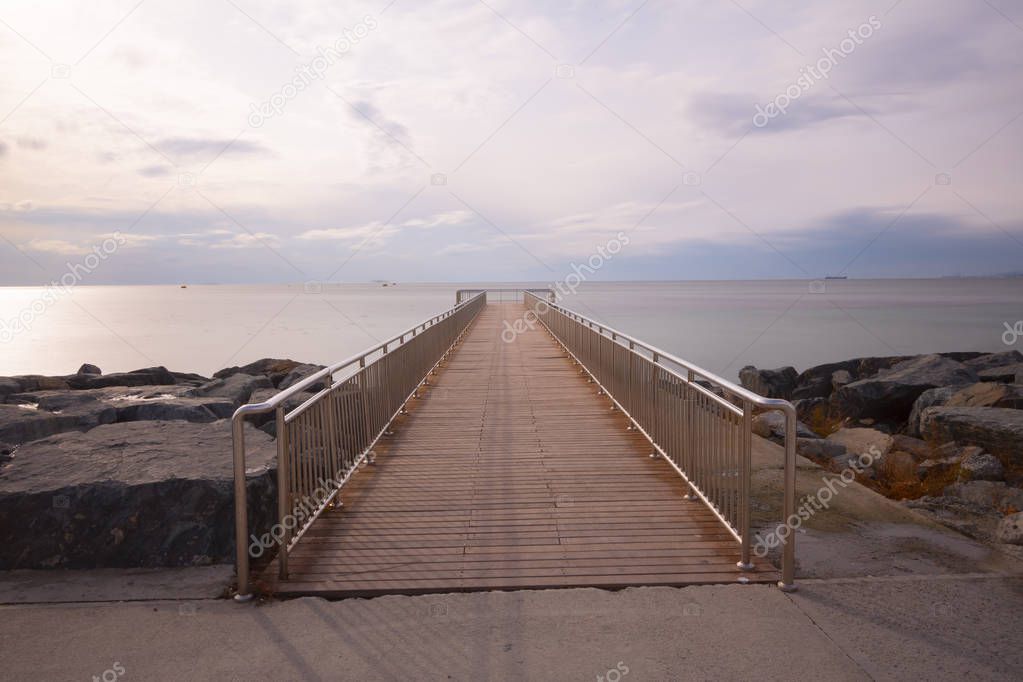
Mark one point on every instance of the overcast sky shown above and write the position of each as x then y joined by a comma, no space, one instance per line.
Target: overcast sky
498,140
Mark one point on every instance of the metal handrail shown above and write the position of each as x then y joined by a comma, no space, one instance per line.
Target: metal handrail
462,294
333,432
699,432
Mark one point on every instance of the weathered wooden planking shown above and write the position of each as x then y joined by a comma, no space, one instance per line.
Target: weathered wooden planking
511,472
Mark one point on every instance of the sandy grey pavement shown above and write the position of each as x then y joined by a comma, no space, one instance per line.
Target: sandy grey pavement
919,627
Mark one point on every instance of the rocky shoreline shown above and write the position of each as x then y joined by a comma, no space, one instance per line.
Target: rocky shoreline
944,432
132,469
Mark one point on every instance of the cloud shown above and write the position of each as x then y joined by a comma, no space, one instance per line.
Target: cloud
197,146
246,240
56,246
372,112
33,143
154,171
380,232
731,114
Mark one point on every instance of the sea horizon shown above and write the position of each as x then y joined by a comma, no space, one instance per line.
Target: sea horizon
720,325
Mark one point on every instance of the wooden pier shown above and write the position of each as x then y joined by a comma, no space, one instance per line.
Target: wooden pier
511,471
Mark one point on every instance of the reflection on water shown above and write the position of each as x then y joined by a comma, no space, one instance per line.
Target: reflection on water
718,325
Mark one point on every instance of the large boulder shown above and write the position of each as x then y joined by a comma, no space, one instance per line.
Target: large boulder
992,360
298,374
30,416
987,394
237,388
272,368
35,382
998,430
930,398
138,494
1006,374
8,385
26,422
150,376
89,369
815,382
266,421
890,394
771,383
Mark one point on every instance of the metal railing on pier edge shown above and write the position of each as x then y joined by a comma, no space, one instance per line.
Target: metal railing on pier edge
506,295
328,436
699,422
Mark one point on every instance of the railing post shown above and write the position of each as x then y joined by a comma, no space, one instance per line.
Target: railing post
241,510
788,562
746,441
283,490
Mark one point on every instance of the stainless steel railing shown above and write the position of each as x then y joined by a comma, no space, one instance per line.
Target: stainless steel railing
322,441
505,295
699,422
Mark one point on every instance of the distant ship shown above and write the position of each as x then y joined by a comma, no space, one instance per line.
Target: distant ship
836,277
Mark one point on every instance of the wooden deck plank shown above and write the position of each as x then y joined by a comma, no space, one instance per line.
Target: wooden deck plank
510,472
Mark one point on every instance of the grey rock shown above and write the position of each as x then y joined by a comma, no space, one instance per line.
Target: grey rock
237,388
998,430
772,425
812,411
35,382
272,368
23,423
8,385
150,376
197,410
266,422
89,369
987,494
914,446
771,383
840,378
820,448
1006,374
862,441
930,398
1010,529
981,467
298,374
891,393
987,394
992,360
125,495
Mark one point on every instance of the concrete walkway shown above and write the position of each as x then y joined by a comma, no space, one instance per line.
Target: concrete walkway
919,627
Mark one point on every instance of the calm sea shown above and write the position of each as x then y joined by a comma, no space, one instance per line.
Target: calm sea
718,325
